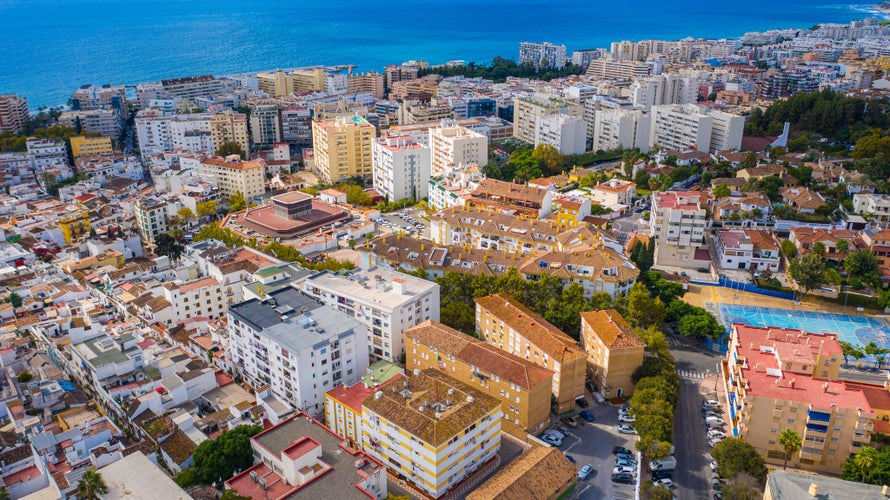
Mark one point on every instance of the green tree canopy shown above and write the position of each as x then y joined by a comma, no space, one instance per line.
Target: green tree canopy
734,456
808,271
231,148
788,248
643,311
868,466
864,265
167,245
237,202
721,191
91,486
206,208
220,458
791,443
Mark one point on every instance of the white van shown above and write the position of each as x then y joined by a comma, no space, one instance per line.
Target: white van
600,400
669,463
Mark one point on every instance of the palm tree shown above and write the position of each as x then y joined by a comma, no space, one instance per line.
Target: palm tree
865,459
790,442
90,486
4,494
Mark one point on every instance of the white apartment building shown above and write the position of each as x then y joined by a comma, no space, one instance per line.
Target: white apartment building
727,130
297,346
542,55
387,302
677,221
265,127
47,153
621,128
527,110
566,133
157,132
453,187
755,250
681,127
101,121
669,88
453,145
878,205
401,167
151,217
615,192
233,175
204,297
432,429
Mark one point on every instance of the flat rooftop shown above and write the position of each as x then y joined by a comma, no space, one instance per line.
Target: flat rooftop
373,286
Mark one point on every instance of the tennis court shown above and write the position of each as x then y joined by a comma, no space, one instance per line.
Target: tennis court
854,329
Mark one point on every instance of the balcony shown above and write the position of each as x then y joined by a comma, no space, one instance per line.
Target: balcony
865,425
818,416
811,453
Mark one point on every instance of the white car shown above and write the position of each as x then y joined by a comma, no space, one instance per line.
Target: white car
713,465
619,470
713,442
626,419
712,402
714,433
664,483
626,429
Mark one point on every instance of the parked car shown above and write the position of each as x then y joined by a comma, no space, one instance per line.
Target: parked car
714,421
590,387
627,419
586,415
570,421
624,478
582,402
713,442
626,429
625,456
669,463
600,400
712,402
715,433
570,458
585,471
621,449
620,470
555,432
623,462
551,440
713,465
564,430
664,483
662,474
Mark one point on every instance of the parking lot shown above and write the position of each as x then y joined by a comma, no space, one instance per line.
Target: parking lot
592,443
409,221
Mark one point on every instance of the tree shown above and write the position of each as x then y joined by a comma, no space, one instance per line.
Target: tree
24,377
848,350
185,214
206,208
167,245
90,486
864,265
878,352
790,442
230,494
4,494
742,487
237,202
734,456
700,325
808,271
643,311
865,460
819,249
550,158
788,248
721,191
187,477
230,452
458,315
651,491
842,245
230,148
14,298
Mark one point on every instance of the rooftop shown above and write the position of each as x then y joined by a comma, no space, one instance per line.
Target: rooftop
612,329
148,484
373,286
355,396
402,408
538,473
789,485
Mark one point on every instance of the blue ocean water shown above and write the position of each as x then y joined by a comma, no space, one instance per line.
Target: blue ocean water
50,47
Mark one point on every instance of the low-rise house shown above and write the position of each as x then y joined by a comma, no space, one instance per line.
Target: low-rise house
803,199
754,250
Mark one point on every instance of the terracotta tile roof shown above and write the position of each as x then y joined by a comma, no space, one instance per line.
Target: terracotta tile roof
612,329
538,473
802,197
237,165
475,352
607,265
198,284
763,240
536,329
178,446
510,192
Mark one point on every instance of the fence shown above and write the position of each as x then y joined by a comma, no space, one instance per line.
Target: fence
746,287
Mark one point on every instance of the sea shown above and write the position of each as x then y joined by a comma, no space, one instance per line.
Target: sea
48,48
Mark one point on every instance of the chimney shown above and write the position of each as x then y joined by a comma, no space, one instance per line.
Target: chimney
814,490
791,384
398,286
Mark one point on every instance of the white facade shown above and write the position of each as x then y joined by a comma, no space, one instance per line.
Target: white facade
542,55
298,347
681,127
615,192
401,167
151,217
451,188
677,222
736,250
47,153
566,133
876,204
453,145
169,133
620,128
727,130
387,302
664,89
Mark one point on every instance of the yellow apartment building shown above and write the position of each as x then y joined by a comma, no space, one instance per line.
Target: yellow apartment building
74,225
233,175
275,83
505,323
343,147
614,351
522,386
90,146
229,127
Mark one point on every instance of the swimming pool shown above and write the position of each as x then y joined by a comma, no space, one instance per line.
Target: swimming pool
854,329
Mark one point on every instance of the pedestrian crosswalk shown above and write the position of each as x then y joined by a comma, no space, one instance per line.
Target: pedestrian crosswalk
693,374
674,341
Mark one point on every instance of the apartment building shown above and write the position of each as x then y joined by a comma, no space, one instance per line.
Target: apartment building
275,83
507,324
523,387
452,188
542,55
779,379
613,349
300,458
13,113
74,225
296,125
615,192
755,250
343,148
401,168
265,128
235,176
109,97
566,133
193,87
876,205
97,121
405,71
621,128
614,70
453,145
199,298
229,127
677,221
512,197
387,302
151,217
370,82
527,111
681,127
297,345
47,153
90,146
411,112
669,88
343,404
477,227
433,431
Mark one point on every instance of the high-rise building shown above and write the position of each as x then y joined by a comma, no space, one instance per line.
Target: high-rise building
677,222
13,113
542,55
566,133
453,145
583,57
309,79
612,70
528,109
229,127
668,88
265,129
296,125
275,83
298,346
629,51
401,168
679,127
151,217
343,147
109,97
98,121
405,71
370,82
235,176
193,87
621,128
